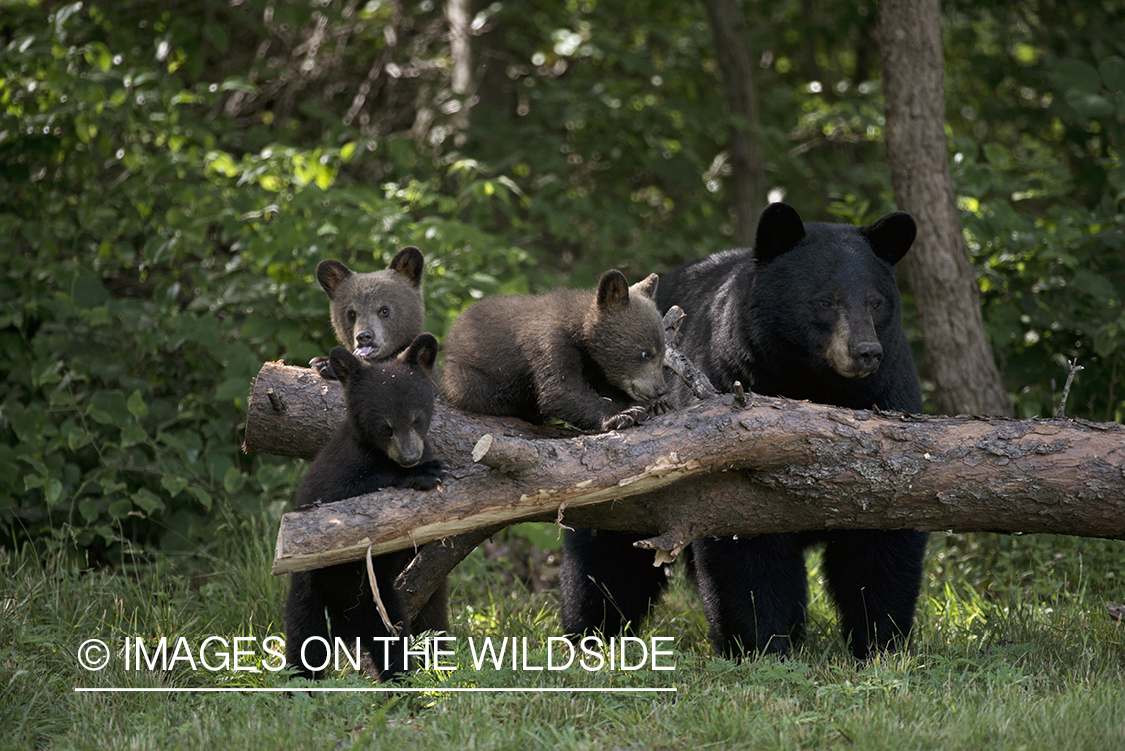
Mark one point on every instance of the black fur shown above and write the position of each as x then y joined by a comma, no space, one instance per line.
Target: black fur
812,312
383,443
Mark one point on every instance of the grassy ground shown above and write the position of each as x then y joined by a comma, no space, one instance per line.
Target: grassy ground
1013,649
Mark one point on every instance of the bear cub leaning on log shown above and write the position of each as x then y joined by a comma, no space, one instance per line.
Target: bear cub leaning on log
383,443
377,314
810,312
595,361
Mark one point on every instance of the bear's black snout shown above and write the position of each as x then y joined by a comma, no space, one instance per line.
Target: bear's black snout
868,356
364,338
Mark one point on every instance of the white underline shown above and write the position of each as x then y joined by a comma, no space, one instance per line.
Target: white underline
378,689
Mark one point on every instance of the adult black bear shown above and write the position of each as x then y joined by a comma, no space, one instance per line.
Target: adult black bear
383,443
375,315
593,360
811,312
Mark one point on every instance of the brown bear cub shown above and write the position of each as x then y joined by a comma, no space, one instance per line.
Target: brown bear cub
375,315
595,361
383,443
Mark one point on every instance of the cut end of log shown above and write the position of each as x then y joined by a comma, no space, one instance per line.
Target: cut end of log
507,454
482,447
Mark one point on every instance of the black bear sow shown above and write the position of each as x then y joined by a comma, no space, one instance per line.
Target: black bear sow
810,312
375,315
593,360
383,443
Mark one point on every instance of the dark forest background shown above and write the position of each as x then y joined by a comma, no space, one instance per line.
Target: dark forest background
171,178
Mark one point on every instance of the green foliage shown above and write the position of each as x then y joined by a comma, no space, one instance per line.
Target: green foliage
171,179
148,268
615,127
1038,168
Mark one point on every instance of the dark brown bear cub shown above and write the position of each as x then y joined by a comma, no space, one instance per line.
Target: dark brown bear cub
375,315
595,361
383,443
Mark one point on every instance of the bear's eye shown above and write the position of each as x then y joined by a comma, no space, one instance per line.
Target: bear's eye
384,311
827,304
385,428
646,355
351,316
875,304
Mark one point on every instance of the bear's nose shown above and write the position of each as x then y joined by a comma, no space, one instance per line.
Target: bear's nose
364,338
868,356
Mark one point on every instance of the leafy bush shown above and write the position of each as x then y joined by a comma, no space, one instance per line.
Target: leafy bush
147,270
1037,108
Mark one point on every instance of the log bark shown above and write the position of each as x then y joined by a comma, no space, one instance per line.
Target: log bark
939,272
774,465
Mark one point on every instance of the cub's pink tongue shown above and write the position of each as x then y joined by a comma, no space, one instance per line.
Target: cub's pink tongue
364,351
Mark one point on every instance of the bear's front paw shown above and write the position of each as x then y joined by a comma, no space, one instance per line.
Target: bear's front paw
661,406
427,477
626,418
323,366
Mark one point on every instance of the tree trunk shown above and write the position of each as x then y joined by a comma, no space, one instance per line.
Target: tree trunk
773,465
459,16
939,272
736,70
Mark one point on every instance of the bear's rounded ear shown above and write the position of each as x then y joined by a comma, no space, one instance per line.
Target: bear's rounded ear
612,289
779,230
409,263
421,352
646,287
891,236
344,364
330,273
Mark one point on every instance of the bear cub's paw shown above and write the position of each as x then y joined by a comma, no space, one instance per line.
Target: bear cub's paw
626,418
323,366
427,477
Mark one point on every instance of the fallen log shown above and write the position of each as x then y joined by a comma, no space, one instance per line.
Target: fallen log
773,465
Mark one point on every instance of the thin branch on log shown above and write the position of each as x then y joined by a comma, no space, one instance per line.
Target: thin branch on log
1074,368
677,361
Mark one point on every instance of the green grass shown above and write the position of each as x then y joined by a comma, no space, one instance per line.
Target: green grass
1003,657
